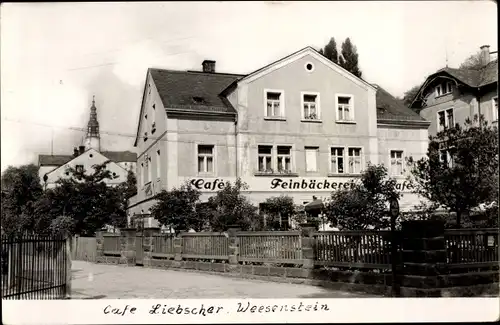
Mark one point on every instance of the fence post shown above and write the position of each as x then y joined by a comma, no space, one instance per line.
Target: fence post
68,267
127,245
424,255
307,231
178,247
234,244
148,243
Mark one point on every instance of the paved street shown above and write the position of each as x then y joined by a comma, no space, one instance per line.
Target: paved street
98,281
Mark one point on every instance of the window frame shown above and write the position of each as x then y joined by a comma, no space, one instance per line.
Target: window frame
351,110
282,115
446,126
316,167
442,88
361,160
336,172
318,106
291,155
266,155
449,157
403,156
494,115
214,155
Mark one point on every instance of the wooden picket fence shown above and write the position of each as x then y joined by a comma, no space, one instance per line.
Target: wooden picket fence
360,249
84,248
270,247
206,245
472,248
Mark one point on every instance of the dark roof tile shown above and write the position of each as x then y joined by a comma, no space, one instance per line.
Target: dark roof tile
53,160
120,156
193,90
390,108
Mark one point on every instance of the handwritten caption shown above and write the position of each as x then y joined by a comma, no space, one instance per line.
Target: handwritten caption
207,310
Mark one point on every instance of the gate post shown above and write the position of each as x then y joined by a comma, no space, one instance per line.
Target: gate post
127,243
307,231
424,254
178,247
148,244
99,236
234,244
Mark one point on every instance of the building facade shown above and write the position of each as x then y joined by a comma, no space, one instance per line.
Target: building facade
301,126
450,96
54,167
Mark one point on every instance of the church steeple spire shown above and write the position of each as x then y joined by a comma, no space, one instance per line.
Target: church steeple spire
92,139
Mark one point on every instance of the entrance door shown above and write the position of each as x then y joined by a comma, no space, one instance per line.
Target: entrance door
139,253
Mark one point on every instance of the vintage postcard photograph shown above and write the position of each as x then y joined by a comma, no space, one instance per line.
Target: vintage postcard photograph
235,162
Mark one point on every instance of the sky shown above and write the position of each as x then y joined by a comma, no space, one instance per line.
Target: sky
56,56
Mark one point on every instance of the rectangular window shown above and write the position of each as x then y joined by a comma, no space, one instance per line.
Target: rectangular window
449,87
284,159
495,109
312,159
337,160
158,164
265,158
354,160
274,105
79,168
344,108
446,119
310,107
444,88
205,159
438,90
396,162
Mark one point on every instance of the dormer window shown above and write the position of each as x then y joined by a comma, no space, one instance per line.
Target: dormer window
153,128
199,100
145,136
444,88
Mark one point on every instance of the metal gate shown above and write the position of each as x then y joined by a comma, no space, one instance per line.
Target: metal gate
35,267
139,252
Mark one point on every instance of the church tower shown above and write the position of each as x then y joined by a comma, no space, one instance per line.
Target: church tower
93,139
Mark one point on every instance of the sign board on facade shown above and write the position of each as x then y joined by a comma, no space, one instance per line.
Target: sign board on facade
284,184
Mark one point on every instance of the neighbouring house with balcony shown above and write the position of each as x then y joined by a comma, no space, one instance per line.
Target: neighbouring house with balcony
301,126
450,96
84,157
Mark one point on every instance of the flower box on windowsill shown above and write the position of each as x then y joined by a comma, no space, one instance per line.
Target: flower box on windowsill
343,175
272,118
311,120
275,174
345,122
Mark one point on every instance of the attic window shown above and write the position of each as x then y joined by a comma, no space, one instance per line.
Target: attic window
154,106
309,66
199,100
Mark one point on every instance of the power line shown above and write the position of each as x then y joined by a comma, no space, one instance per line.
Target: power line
115,63
226,145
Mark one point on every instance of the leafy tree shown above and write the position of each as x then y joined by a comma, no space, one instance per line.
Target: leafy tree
460,171
21,188
230,207
177,208
410,94
280,209
349,58
123,193
364,205
62,226
472,62
86,199
330,51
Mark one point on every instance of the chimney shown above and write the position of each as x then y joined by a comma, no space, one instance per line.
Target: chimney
82,149
485,55
75,152
208,66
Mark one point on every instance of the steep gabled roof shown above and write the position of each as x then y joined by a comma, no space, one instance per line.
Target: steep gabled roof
473,78
390,108
193,90
120,156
